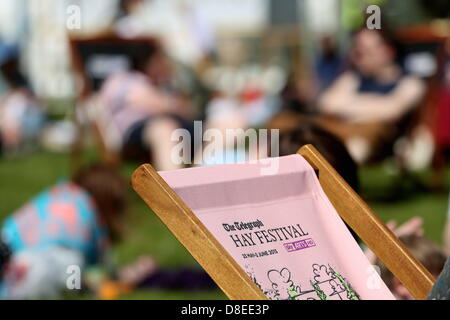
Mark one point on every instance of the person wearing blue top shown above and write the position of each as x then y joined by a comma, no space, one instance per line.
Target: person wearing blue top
70,224
366,106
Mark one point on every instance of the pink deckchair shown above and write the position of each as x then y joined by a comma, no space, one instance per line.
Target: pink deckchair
272,230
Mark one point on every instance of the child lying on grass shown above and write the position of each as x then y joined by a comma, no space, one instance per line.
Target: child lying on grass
71,226
71,223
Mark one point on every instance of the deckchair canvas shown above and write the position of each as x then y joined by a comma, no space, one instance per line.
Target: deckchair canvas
278,235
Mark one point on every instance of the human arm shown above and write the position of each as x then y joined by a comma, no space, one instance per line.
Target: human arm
343,99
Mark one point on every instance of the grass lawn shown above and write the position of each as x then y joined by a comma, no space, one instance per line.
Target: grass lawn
21,178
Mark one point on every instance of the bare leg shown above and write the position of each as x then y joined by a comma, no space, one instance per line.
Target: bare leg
157,136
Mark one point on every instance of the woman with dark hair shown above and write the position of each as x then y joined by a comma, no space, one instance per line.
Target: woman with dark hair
330,146
365,105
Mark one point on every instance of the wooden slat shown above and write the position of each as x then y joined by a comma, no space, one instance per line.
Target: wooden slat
189,230
357,214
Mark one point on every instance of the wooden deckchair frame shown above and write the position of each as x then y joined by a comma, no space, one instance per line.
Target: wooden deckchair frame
231,278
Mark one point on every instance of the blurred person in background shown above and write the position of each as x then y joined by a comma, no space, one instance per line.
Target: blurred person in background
427,252
145,273
244,96
432,256
145,108
329,64
366,104
445,103
441,289
21,114
75,223
297,101
446,234
330,146
442,115
70,223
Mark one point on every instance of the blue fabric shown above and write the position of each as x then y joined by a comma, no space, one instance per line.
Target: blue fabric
63,215
441,288
7,52
370,85
328,69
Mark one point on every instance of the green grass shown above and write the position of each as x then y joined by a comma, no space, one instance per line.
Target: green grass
22,178
396,198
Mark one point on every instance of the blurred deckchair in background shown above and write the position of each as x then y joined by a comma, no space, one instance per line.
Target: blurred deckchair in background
93,61
273,229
